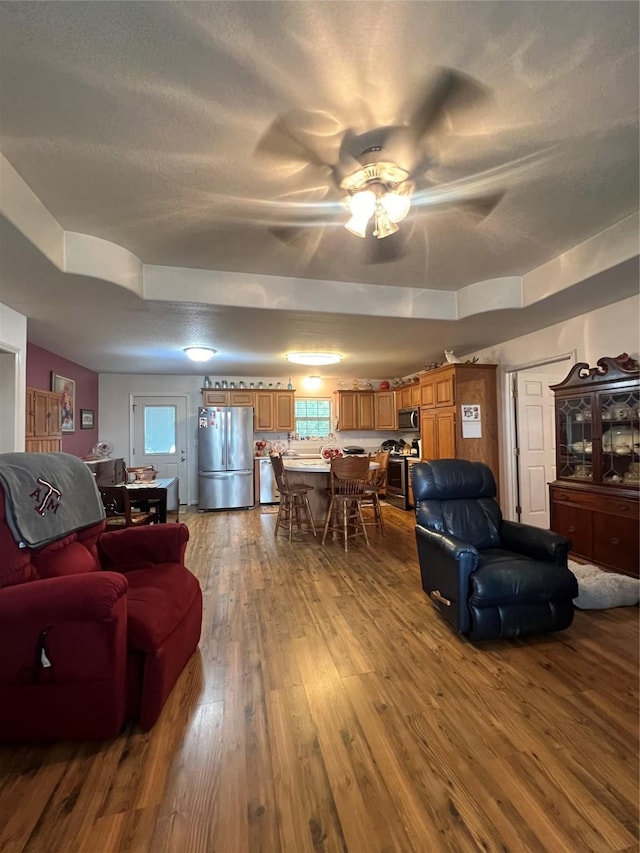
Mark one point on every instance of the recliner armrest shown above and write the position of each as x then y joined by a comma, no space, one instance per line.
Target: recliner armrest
121,550
69,598
534,542
445,565
452,546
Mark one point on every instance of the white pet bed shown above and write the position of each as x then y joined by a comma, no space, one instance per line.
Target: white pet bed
599,590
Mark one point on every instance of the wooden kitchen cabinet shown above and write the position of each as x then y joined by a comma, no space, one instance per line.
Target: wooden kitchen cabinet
231,397
594,500
355,410
284,411
443,393
438,390
274,411
384,410
438,434
408,397
43,432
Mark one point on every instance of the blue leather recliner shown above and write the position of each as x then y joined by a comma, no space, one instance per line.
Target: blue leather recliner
490,578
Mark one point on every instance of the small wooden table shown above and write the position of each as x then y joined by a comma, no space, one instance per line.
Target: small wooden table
163,491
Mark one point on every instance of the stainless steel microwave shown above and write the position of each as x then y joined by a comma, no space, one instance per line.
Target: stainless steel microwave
409,420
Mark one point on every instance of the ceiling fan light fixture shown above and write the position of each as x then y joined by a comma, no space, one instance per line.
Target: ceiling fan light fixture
384,226
313,359
381,190
357,226
362,205
396,205
200,353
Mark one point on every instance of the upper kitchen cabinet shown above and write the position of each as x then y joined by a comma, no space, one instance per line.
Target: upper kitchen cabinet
43,427
274,411
458,414
408,397
354,410
437,387
384,410
594,500
233,397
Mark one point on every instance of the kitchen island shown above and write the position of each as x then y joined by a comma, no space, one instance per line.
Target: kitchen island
314,472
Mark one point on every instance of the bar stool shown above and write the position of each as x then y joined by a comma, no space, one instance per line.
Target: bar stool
294,509
347,483
376,484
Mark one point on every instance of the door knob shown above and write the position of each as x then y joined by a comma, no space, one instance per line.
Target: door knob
183,458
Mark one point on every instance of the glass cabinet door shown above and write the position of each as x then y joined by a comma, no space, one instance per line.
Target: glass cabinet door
620,440
575,444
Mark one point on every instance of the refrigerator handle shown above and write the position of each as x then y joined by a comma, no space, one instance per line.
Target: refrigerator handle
228,440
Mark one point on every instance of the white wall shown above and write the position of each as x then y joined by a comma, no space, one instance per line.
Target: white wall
13,379
605,332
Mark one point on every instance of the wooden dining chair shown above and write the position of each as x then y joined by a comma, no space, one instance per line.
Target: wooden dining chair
120,513
376,486
294,509
348,477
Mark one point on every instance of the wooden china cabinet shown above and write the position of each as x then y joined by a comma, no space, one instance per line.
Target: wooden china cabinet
43,432
594,499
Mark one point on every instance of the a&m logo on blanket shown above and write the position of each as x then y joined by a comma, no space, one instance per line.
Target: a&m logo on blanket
46,497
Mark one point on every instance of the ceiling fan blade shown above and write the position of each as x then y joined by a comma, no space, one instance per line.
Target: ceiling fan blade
348,161
450,93
305,241
387,250
302,137
481,206
445,99
290,235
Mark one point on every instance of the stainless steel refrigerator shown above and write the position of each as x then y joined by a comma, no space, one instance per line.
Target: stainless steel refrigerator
225,457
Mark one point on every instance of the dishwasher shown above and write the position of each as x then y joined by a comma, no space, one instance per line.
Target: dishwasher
266,486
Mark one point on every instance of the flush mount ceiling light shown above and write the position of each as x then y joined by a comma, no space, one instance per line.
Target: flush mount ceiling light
313,358
312,383
200,353
379,190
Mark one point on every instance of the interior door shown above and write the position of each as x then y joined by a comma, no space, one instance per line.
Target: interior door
536,442
160,437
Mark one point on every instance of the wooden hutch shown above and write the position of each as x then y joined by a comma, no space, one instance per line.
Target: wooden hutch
594,499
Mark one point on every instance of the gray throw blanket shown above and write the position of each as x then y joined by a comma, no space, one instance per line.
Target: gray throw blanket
48,496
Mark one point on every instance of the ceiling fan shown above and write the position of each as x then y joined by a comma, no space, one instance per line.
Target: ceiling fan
371,180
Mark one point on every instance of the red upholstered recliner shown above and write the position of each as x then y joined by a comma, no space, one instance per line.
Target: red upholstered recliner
95,628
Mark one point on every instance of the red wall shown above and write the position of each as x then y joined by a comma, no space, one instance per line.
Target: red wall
40,365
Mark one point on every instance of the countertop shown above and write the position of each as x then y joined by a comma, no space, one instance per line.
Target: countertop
312,466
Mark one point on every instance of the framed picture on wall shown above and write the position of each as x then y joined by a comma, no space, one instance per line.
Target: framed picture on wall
87,418
66,391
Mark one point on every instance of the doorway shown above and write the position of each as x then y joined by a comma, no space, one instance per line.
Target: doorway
9,400
159,437
531,437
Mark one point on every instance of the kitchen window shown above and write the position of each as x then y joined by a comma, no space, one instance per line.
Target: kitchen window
313,416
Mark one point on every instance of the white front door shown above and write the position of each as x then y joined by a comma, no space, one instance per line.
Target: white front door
536,441
160,437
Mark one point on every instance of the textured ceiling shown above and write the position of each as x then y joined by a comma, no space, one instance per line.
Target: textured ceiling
138,123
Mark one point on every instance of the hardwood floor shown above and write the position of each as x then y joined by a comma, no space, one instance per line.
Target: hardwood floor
331,709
